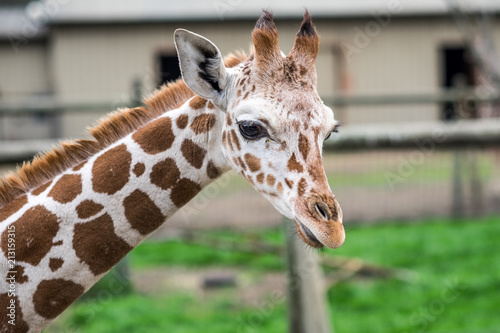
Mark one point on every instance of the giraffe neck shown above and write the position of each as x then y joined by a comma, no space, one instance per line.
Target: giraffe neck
73,229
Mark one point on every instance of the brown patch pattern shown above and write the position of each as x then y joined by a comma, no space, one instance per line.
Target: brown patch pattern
88,208
21,326
33,241
184,191
97,244
242,164
67,188
193,153
142,213
289,183
40,189
111,170
229,140
301,187
270,179
165,174
279,187
253,162
197,102
212,171
260,178
235,139
203,123
19,275
182,121
293,165
55,264
53,296
79,166
139,169
156,137
12,207
304,146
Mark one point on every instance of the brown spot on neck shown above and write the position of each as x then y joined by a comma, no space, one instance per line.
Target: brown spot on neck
183,191
165,174
97,244
182,121
20,325
142,213
88,208
197,102
79,166
67,188
52,297
19,275
41,189
203,123
293,165
139,169
55,264
193,153
12,207
212,171
111,170
156,136
32,244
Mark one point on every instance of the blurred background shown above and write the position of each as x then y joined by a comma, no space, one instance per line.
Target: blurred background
415,167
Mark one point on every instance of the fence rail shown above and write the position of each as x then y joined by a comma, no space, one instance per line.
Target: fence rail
484,132
477,133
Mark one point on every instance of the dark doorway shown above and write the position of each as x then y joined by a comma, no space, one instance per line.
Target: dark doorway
458,73
169,68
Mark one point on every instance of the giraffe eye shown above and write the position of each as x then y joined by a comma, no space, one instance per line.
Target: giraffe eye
335,130
251,130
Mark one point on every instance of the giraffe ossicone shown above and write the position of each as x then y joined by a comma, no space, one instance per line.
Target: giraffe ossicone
77,210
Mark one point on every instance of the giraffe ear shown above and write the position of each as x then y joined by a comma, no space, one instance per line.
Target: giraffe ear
202,66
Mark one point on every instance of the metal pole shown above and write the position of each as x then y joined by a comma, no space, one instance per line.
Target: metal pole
307,305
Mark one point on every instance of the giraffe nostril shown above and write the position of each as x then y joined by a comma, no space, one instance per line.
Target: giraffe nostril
323,211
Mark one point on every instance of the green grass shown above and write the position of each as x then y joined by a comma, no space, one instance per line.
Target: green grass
456,266
180,253
437,169
176,313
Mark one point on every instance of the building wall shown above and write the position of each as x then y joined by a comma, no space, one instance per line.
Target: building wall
24,70
101,62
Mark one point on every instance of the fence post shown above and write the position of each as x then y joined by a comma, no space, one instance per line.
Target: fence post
307,304
136,99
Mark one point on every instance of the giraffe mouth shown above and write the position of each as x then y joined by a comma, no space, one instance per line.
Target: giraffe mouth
307,235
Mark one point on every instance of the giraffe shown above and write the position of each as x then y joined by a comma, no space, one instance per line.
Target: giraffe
71,214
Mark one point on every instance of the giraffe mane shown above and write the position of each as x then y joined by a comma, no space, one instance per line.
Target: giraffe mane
108,130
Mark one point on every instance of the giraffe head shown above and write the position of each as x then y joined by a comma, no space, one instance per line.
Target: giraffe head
275,122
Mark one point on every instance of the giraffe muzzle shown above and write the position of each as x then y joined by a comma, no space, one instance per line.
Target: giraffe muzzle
321,222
